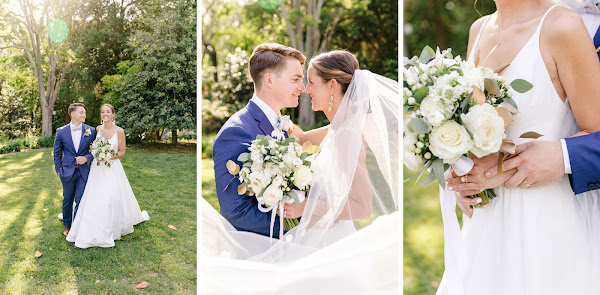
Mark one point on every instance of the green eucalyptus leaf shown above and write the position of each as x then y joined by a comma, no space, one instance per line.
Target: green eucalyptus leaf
421,93
438,170
243,157
521,86
510,101
426,54
418,125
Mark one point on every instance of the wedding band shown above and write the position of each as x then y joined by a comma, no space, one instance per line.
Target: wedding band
526,184
463,179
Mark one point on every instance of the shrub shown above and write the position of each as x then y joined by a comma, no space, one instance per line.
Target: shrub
46,142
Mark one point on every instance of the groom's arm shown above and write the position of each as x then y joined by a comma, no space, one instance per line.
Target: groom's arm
58,152
584,159
240,210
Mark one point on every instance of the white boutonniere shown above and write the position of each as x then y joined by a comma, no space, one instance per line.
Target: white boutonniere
286,124
87,132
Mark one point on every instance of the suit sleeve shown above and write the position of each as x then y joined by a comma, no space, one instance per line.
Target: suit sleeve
584,156
58,152
240,210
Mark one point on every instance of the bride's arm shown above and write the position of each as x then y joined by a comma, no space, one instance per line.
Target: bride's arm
121,151
315,136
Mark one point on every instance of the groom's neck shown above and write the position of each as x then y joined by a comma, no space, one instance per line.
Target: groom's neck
269,99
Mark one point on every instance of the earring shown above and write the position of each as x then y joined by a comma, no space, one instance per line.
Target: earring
330,103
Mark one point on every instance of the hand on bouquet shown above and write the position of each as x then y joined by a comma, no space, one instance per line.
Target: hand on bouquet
475,182
291,210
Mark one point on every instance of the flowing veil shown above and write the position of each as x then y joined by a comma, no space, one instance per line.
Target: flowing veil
356,179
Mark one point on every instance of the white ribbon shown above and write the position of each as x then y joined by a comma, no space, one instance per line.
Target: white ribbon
301,196
463,165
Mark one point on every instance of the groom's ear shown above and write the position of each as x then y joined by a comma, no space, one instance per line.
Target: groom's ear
268,79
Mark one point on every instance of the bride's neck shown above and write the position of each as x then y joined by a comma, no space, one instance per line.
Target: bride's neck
517,11
108,125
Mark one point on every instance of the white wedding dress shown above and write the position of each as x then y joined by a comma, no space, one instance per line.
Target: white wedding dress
533,241
108,208
324,254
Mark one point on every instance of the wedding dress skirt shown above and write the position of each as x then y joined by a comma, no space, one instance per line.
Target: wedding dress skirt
108,208
534,241
365,262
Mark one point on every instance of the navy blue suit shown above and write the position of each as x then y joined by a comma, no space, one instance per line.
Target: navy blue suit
240,210
72,176
584,154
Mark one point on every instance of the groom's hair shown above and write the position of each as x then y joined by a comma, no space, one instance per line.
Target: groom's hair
271,56
73,107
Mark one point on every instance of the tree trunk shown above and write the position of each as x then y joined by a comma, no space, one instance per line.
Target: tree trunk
47,112
174,137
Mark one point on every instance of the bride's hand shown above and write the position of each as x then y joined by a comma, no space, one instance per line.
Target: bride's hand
291,210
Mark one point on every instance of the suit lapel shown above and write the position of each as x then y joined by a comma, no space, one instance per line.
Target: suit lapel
83,127
67,133
263,122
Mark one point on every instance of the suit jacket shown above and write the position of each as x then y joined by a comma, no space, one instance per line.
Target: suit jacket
584,156
64,151
240,210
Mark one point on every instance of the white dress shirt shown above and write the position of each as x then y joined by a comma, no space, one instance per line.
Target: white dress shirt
267,110
76,135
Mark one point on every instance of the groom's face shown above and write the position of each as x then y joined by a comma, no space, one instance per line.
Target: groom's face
78,115
288,84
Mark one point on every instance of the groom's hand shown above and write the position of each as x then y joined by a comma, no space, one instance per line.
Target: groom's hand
81,160
291,210
537,163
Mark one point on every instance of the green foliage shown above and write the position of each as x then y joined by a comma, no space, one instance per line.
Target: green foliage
16,119
46,142
207,144
231,93
158,89
18,144
441,23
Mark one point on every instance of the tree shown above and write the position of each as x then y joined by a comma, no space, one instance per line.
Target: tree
156,90
310,31
45,57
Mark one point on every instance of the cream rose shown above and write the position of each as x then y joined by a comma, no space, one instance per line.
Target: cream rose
487,128
302,177
271,168
449,141
272,195
412,161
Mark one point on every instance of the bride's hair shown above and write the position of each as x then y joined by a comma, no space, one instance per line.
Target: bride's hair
337,64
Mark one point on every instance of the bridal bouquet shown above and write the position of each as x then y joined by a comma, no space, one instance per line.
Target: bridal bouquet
453,108
275,172
102,150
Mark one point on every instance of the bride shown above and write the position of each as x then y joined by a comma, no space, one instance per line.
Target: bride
108,208
530,240
356,174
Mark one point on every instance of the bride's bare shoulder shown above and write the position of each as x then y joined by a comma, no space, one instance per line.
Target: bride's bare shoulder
562,24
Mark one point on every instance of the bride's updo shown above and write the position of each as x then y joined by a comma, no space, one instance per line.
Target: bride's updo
336,64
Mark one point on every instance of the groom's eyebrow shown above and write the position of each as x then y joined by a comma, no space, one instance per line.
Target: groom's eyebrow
298,75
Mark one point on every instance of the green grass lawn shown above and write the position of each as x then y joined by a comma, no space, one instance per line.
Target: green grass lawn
423,238
31,198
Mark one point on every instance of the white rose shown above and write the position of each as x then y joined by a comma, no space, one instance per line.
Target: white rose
302,177
288,159
297,162
258,181
102,156
413,162
487,128
433,110
449,141
271,168
272,195
257,166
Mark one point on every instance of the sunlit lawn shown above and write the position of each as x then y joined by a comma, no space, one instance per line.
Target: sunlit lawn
423,238
31,198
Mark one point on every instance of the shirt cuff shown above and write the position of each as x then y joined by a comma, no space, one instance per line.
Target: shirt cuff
566,160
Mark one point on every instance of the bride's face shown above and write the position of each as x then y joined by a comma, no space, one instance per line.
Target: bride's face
107,114
319,90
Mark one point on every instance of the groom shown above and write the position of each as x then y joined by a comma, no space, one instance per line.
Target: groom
277,72
71,160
